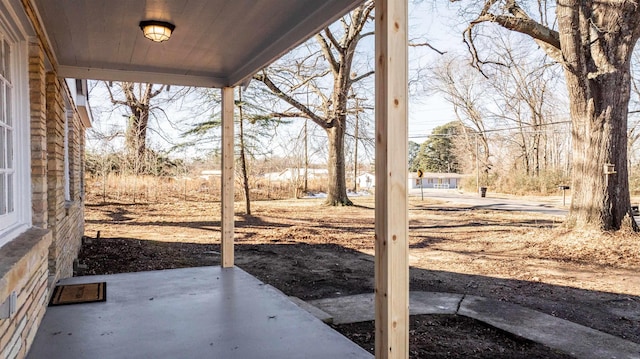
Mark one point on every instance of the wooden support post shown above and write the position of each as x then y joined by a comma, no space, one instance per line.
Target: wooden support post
392,226
227,222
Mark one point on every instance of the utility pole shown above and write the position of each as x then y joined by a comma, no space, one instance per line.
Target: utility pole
357,111
306,158
355,151
306,153
477,166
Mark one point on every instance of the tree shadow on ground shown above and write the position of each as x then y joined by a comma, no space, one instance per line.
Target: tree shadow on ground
313,271
120,215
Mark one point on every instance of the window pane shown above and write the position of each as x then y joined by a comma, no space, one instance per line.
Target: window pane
10,193
7,61
7,112
3,146
3,194
9,148
4,58
3,103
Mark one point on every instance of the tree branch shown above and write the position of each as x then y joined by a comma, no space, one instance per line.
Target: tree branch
332,38
365,34
525,26
157,92
264,78
518,21
113,99
288,114
364,16
361,16
358,78
326,51
427,45
305,80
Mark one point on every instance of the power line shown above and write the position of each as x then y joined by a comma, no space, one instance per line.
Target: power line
505,129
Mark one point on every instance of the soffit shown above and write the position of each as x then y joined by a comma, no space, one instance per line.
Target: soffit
216,43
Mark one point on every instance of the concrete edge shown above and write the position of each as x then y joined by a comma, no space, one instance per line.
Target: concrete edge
313,310
556,333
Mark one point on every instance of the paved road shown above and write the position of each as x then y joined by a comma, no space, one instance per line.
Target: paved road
552,206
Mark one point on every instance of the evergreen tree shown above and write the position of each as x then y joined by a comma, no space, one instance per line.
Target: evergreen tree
437,154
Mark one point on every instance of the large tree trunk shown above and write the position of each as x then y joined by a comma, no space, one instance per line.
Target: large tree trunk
136,140
600,199
337,186
139,109
597,42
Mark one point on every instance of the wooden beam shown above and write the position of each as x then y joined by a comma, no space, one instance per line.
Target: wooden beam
34,19
78,72
392,226
227,222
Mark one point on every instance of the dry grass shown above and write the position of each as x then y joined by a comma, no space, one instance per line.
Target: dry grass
313,251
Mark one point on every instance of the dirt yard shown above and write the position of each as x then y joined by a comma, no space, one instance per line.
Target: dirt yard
311,251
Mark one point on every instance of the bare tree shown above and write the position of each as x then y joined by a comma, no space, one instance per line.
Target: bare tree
243,155
255,128
137,99
525,89
466,91
593,42
326,72
634,109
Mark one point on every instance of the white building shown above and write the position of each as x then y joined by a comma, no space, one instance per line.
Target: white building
366,180
294,174
435,180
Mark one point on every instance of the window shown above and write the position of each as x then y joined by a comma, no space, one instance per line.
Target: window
7,140
15,193
67,182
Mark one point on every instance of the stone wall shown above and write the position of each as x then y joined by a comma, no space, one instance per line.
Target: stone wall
66,218
32,263
38,104
23,270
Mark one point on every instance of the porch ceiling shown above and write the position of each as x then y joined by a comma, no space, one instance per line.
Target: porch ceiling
216,43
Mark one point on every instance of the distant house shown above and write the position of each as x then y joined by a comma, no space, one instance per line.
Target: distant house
207,174
366,180
293,174
435,180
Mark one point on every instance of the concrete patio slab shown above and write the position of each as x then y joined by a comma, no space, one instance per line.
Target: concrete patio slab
577,340
206,312
347,309
360,307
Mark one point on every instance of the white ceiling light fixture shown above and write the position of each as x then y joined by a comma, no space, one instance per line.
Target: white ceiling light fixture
157,31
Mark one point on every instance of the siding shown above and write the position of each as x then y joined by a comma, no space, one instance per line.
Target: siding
33,262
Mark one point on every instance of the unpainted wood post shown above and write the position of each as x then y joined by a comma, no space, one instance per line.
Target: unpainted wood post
392,226
227,209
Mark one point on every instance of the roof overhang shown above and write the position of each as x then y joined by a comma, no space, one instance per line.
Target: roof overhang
216,43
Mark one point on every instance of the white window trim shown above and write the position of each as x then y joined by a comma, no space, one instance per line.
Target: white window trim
22,144
67,176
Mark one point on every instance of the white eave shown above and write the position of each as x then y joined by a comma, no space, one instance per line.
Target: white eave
216,43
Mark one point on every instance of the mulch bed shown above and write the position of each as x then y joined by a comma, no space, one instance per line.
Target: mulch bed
454,337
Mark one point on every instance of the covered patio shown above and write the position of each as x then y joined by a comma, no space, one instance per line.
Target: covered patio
222,312
205,312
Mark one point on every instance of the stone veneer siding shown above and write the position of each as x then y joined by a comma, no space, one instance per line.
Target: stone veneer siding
38,103
32,263
66,218
23,269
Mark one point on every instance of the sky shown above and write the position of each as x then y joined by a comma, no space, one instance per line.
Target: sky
426,111
443,30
